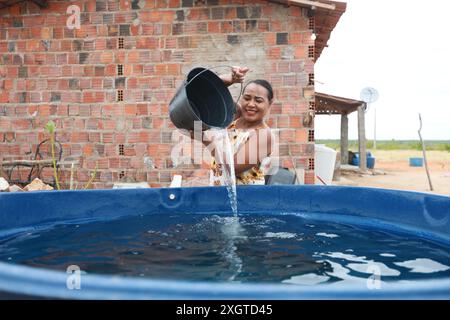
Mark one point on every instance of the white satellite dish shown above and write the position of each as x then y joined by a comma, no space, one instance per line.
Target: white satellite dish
369,95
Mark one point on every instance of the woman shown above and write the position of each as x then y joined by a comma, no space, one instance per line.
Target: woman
250,136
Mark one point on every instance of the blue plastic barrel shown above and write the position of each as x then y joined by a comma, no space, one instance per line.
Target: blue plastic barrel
415,162
370,162
421,215
355,160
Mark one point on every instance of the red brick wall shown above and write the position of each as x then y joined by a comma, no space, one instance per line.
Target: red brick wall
49,72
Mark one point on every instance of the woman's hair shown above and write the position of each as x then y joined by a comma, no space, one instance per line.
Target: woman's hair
265,84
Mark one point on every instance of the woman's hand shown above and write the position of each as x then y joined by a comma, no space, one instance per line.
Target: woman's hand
237,75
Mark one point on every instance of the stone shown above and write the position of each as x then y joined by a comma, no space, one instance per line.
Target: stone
37,185
4,185
15,188
378,172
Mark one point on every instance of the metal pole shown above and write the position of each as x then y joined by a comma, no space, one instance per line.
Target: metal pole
424,154
375,130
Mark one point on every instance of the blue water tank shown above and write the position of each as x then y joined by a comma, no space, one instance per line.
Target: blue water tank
423,216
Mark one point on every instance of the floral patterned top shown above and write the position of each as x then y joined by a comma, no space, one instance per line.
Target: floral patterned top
252,176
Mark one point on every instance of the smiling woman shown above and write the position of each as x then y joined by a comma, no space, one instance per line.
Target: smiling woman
250,136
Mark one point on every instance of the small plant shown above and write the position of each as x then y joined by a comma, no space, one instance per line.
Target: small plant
1,168
88,184
72,166
93,175
50,127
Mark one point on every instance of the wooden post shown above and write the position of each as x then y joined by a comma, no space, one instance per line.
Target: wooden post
344,139
362,138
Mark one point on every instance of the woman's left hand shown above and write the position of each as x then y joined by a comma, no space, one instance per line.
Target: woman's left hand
238,74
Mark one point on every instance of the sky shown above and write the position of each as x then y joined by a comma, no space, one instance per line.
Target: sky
402,49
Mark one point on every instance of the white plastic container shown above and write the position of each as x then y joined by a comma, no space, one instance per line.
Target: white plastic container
176,181
325,159
131,185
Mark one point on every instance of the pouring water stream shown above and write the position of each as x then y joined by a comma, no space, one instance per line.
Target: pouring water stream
231,229
225,157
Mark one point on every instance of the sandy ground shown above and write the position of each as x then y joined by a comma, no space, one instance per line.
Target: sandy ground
392,171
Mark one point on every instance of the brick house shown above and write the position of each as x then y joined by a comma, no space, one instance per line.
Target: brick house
107,82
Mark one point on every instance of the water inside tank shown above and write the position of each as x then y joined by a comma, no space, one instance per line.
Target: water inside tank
285,248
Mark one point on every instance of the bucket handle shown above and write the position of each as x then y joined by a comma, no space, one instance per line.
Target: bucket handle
216,67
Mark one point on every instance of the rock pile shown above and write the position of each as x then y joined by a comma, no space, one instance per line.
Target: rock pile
36,185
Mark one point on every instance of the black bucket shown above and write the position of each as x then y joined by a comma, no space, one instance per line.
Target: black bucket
202,97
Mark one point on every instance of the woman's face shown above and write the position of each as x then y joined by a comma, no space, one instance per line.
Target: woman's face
255,103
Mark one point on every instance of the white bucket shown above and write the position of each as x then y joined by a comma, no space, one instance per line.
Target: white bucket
325,159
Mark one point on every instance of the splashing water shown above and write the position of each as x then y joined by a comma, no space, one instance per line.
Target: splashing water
225,156
233,234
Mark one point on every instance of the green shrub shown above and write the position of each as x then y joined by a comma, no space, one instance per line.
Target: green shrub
431,145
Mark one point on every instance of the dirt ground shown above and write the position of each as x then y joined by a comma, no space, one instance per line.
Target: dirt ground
392,171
